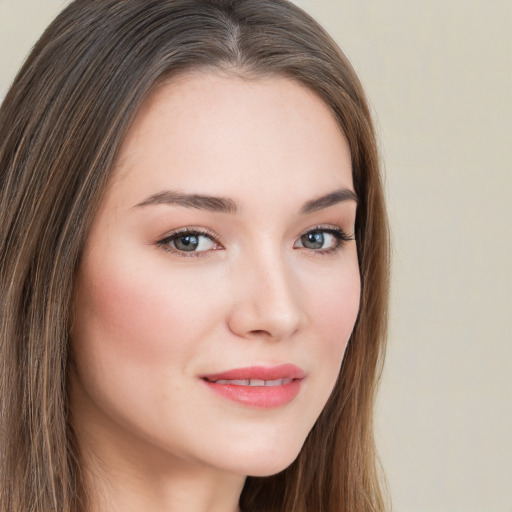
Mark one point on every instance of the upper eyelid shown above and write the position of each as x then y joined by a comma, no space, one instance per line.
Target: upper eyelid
191,231
216,238
329,228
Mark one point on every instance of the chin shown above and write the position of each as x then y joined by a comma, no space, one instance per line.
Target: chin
272,466
266,461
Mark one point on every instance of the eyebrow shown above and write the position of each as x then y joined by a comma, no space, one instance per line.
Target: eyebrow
226,205
338,196
201,202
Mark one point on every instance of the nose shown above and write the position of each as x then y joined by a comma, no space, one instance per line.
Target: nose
265,304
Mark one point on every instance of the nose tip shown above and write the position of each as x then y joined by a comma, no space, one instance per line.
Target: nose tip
265,306
256,323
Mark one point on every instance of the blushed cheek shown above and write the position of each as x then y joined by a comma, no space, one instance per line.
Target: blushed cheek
119,317
144,318
337,313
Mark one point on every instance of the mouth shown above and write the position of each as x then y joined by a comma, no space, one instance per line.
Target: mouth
252,382
258,386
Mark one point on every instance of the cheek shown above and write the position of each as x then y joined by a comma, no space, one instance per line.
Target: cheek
135,322
333,310
120,311
136,336
341,309
336,302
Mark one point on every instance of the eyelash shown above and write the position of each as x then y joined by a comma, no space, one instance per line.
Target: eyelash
165,243
339,234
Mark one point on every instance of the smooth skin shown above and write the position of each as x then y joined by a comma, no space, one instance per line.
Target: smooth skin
276,281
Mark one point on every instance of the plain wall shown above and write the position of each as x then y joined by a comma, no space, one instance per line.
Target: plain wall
439,76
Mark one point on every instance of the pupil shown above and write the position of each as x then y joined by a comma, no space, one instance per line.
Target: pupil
313,240
187,242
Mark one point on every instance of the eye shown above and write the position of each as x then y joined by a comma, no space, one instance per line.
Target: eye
324,240
189,241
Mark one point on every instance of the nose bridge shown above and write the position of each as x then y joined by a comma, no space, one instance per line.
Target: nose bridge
265,302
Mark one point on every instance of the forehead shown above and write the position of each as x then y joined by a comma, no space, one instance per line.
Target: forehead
216,134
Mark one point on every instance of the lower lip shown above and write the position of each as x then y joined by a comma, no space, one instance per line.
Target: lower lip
265,397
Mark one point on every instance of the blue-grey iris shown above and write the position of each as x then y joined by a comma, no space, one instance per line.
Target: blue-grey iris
313,240
187,243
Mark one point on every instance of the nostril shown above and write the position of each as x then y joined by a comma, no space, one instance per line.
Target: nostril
260,332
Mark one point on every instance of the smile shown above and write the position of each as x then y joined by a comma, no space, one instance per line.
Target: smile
258,386
253,382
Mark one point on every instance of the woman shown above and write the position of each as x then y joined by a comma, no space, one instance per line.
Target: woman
194,264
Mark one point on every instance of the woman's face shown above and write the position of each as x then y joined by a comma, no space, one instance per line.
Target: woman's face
220,282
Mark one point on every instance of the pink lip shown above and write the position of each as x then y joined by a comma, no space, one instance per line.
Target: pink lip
283,371
258,396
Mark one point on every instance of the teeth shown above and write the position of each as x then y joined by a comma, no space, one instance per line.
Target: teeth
277,382
254,382
233,382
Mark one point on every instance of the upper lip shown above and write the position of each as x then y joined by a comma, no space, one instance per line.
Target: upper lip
283,371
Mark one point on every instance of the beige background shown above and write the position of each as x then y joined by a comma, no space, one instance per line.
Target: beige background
439,75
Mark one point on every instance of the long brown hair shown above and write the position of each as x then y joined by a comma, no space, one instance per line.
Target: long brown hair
61,126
